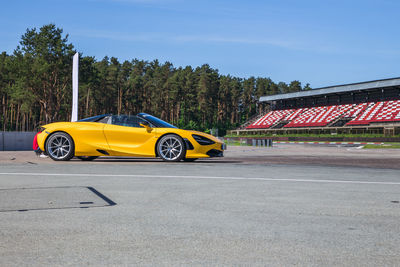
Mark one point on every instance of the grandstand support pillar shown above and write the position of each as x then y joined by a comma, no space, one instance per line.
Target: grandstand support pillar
388,131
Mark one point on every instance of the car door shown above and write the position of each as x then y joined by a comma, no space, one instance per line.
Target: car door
125,136
88,138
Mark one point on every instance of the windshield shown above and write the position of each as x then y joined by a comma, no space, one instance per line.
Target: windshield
156,121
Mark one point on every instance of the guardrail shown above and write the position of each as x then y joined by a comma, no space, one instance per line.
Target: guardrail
16,141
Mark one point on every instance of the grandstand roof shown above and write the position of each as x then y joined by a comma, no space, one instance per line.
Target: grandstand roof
336,89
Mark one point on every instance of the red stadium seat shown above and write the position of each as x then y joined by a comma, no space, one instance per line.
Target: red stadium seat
389,112
366,116
358,114
270,119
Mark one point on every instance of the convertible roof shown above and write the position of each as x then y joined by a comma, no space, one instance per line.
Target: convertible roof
95,118
99,117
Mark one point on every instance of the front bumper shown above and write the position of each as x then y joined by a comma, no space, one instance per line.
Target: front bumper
204,151
214,153
217,153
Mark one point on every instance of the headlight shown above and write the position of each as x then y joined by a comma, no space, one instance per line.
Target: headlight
202,140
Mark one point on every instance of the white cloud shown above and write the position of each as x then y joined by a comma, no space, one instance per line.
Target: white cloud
207,38
118,36
225,39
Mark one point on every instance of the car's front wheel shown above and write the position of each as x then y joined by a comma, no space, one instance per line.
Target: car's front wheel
171,148
60,146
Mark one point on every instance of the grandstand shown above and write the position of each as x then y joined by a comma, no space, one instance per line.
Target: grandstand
365,107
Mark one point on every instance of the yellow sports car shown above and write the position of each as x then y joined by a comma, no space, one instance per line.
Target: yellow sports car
141,135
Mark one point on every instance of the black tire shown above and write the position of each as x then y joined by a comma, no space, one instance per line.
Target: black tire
60,146
190,159
87,158
171,148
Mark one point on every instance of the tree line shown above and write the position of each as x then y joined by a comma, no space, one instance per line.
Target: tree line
36,87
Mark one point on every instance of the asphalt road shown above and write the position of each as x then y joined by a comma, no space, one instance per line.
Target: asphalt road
245,209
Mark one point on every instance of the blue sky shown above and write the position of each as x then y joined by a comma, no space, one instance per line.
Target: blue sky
319,42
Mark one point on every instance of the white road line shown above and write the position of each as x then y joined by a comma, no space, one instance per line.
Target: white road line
199,177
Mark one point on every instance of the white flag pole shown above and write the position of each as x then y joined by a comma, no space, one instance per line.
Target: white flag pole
75,70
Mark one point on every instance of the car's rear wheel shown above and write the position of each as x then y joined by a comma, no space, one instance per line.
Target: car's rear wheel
87,158
171,148
60,146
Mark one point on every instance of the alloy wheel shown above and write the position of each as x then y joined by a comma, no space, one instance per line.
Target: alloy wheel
171,148
60,146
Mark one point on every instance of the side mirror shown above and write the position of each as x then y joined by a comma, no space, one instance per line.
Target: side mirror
146,125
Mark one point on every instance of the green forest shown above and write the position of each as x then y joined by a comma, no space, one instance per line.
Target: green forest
36,87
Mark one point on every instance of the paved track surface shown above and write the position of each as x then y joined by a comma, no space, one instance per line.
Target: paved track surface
289,205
